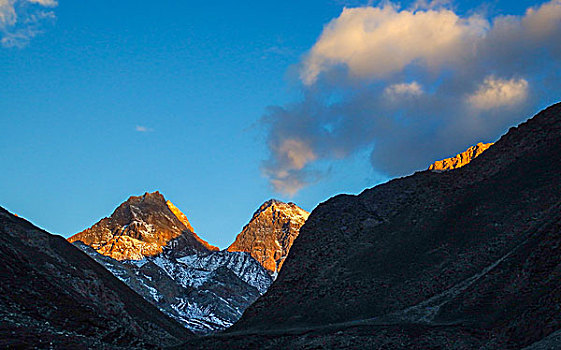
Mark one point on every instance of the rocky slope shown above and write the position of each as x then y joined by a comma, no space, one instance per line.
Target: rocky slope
205,290
270,233
460,159
454,260
53,296
140,227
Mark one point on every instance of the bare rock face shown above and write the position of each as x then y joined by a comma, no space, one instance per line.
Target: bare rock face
128,248
182,217
53,296
270,233
140,227
460,159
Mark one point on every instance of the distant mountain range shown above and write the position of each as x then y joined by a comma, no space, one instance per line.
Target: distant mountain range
150,245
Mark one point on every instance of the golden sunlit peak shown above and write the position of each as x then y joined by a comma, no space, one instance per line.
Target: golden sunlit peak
460,159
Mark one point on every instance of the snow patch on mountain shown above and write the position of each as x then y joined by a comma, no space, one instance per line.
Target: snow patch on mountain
206,292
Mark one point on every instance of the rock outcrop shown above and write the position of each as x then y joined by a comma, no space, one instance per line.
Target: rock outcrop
53,296
140,227
270,233
460,159
465,259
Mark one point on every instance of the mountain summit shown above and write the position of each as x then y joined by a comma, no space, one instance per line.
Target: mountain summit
460,159
140,227
270,233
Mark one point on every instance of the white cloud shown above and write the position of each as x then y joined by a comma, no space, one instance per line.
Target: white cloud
411,85
141,128
47,3
7,13
379,41
288,185
297,153
429,5
543,20
20,20
496,92
403,90
292,156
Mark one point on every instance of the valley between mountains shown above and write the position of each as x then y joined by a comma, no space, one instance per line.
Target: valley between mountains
463,255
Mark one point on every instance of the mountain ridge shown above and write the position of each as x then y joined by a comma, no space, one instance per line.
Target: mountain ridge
461,159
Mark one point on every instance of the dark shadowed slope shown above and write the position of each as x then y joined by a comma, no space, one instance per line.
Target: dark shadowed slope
52,295
463,259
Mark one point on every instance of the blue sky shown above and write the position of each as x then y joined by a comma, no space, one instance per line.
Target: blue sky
100,100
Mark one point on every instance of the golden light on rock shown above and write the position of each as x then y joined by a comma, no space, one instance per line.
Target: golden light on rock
460,159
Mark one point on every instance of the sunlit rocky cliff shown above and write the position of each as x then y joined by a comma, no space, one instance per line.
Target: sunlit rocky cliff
460,159
270,233
140,227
